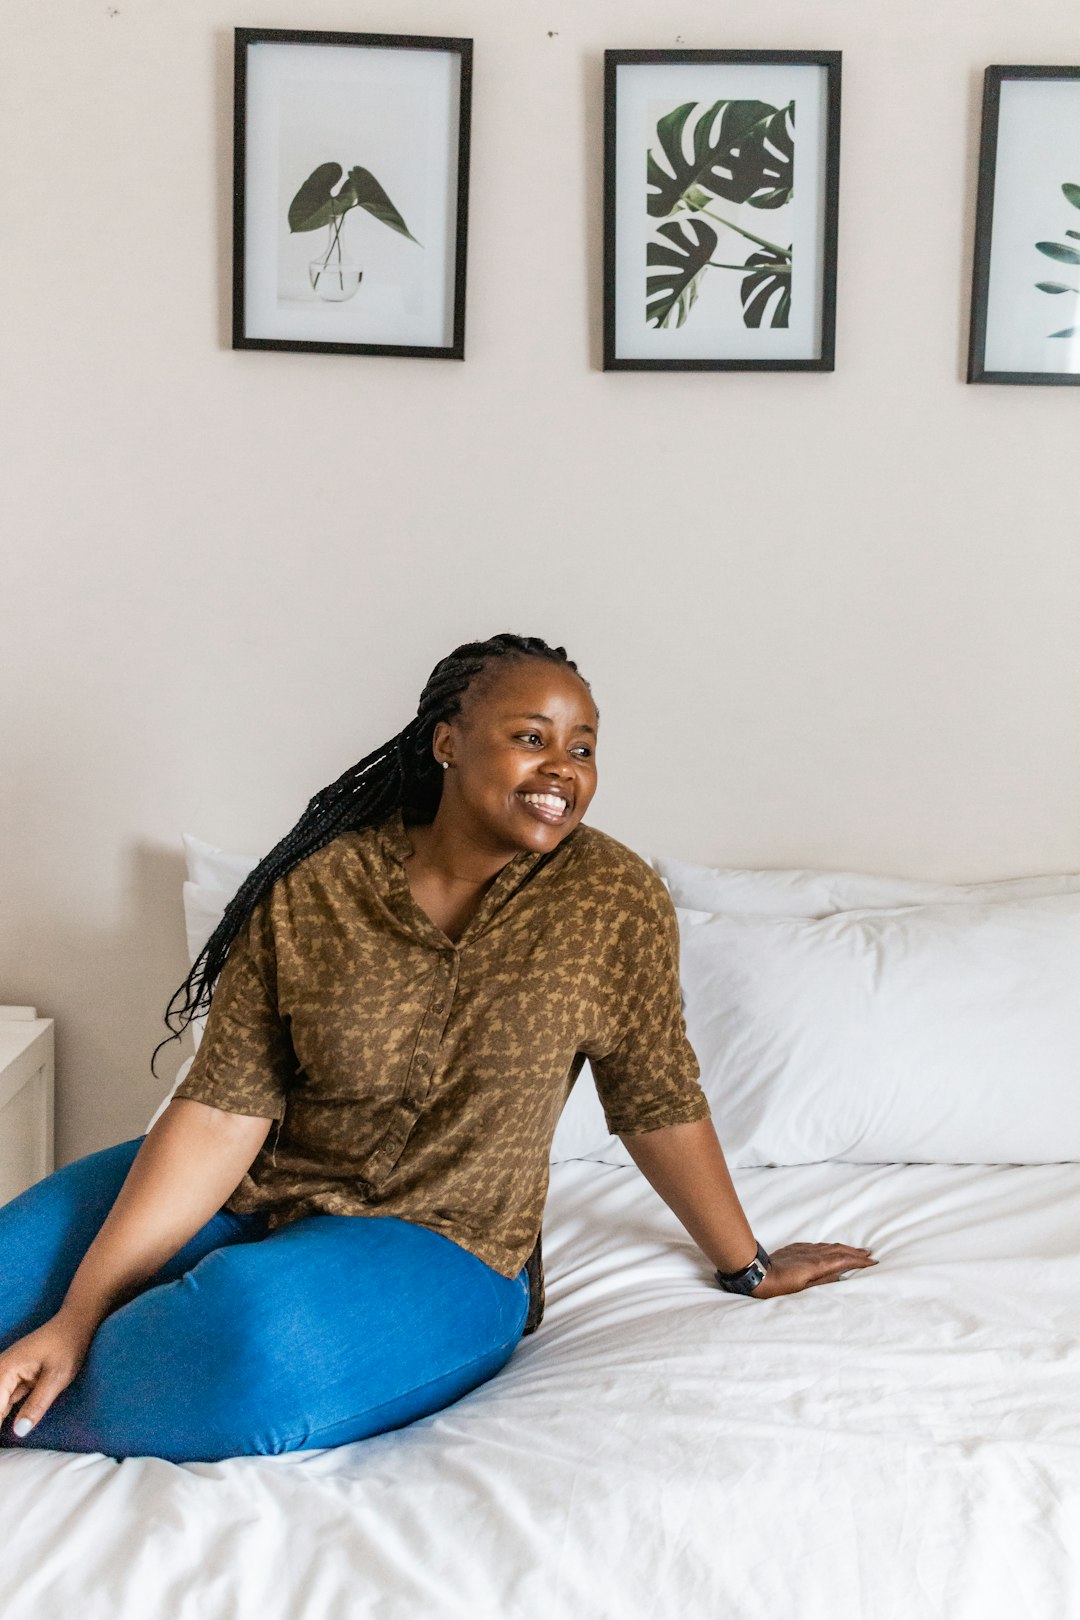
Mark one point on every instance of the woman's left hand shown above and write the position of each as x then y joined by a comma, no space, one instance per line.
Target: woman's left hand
804,1265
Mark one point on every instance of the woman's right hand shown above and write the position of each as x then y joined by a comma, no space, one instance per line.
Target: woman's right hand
183,1172
36,1368
805,1265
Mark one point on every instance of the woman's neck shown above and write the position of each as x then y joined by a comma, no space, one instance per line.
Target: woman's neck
451,859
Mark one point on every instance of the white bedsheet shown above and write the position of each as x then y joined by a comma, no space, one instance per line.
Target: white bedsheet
904,1443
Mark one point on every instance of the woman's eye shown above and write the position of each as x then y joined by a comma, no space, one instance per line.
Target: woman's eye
583,750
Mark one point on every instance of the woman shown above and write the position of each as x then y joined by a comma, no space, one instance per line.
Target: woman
405,988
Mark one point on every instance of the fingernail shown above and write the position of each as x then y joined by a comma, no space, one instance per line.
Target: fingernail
22,1426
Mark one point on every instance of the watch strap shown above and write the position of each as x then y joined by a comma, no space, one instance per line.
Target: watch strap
747,1279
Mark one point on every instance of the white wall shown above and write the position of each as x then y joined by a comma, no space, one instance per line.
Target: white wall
829,619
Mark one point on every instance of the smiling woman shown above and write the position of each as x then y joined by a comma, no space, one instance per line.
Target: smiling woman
408,986
520,760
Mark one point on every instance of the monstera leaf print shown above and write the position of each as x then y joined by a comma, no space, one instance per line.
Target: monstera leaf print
1063,253
676,263
742,152
771,274
706,156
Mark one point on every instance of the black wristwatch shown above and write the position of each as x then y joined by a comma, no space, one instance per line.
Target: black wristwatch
746,1280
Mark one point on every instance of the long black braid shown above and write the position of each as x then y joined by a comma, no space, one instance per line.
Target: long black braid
402,774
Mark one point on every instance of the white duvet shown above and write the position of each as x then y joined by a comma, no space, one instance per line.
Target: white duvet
902,1444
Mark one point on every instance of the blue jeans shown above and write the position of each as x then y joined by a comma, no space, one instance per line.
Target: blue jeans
326,1330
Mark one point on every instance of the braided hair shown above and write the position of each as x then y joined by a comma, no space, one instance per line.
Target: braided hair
402,774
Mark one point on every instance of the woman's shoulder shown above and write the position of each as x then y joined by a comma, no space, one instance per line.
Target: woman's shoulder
348,858
625,876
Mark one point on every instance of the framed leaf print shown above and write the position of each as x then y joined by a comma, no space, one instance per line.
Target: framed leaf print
721,188
1025,301
350,192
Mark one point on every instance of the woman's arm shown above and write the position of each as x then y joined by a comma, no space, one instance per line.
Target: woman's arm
686,1166
190,1162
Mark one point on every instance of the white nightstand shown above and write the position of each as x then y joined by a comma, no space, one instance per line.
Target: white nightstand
26,1099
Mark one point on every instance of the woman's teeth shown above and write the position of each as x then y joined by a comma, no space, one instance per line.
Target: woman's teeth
549,804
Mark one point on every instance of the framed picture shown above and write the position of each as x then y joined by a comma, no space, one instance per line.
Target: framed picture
350,192
721,187
1025,299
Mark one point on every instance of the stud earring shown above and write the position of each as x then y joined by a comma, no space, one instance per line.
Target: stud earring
446,764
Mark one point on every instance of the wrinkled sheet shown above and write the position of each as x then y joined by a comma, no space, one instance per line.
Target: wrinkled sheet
903,1443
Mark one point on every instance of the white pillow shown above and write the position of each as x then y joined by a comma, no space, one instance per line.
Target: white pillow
804,892
203,910
214,875
214,868
940,1033
780,892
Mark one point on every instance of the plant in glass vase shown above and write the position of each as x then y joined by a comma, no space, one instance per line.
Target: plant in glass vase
334,276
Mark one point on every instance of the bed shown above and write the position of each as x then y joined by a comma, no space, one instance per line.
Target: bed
902,1444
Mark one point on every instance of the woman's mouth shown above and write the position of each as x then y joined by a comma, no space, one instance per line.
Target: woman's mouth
551,808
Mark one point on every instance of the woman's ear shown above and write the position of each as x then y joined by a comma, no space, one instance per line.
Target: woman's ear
442,743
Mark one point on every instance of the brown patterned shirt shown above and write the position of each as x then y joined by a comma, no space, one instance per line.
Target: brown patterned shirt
413,1076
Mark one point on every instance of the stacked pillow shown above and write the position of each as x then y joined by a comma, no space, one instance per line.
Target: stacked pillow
841,1015
940,1034
846,1016
792,892
213,877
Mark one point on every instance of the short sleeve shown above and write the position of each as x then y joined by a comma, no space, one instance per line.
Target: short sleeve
650,1077
245,1058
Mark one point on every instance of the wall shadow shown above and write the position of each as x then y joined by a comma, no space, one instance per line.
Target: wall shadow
107,989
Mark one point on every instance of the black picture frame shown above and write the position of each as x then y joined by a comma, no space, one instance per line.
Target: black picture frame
616,284
985,309
246,324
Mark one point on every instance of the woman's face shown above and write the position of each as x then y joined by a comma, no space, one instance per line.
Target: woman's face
522,757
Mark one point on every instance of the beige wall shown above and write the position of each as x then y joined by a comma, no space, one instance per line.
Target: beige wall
829,619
